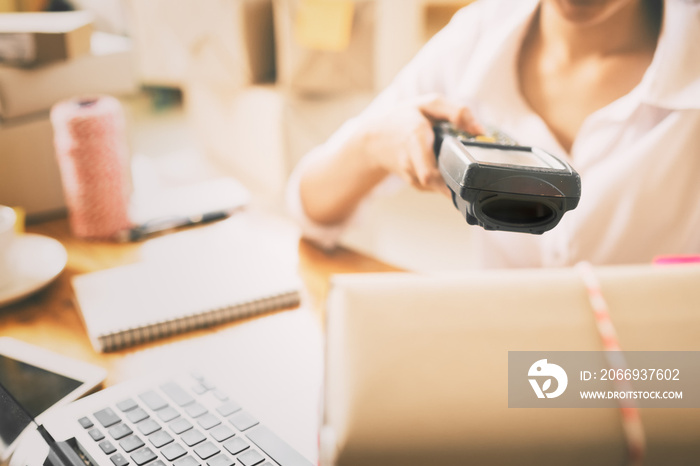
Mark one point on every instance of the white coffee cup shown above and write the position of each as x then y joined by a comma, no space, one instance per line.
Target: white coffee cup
7,238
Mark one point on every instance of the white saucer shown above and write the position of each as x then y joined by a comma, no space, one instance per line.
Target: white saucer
39,260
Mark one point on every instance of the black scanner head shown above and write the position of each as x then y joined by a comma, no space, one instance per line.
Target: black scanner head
503,186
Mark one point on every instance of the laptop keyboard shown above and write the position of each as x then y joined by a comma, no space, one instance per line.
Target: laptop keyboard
173,425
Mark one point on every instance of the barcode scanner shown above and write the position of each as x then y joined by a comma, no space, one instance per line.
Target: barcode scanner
500,185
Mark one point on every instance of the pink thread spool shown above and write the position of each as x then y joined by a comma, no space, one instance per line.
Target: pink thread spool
91,147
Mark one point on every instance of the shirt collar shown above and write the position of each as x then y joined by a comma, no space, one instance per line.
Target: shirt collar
673,79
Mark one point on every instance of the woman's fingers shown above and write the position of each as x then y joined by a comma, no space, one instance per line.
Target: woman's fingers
423,161
467,122
422,155
437,108
402,141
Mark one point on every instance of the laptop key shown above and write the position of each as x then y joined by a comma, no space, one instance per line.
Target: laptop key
250,458
127,405
195,410
235,446
107,417
107,447
180,425
137,415
131,443
186,461
168,413
228,408
173,451
153,400
242,420
96,434
85,422
221,460
221,396
206,450
119,460
192,437
143,456
208,385
120,431
158,463
148,426
160,438
221,433
275,447
177,394
208,420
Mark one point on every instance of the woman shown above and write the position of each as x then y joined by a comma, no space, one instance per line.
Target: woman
612,86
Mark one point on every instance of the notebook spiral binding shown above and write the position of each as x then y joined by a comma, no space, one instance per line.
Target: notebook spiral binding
137,335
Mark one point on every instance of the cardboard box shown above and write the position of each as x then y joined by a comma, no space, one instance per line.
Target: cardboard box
108,69
31,5
228,40
313,58
436,355
8,6
258,134
28,39
307,64
108,15
437,13
29,176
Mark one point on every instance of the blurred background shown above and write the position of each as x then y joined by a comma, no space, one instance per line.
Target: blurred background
238,88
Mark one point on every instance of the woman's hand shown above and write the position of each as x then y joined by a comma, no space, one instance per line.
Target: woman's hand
401,141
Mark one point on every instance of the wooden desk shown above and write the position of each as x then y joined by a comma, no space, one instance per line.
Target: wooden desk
51,320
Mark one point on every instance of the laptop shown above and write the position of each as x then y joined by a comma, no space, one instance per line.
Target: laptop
184,421
232,409
416,369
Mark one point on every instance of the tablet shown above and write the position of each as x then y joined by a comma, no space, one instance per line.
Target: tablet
33,381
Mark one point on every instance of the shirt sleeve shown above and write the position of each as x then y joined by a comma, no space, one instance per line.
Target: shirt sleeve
430,71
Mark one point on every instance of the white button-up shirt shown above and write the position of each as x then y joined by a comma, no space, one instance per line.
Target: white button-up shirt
638,157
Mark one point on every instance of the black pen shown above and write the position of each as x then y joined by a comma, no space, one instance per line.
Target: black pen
168,223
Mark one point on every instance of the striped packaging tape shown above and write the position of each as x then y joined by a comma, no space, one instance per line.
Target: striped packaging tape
631,420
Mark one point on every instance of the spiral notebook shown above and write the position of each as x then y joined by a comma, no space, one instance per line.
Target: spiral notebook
136,303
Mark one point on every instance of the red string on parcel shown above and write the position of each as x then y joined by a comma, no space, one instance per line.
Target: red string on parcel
631,420
92,153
